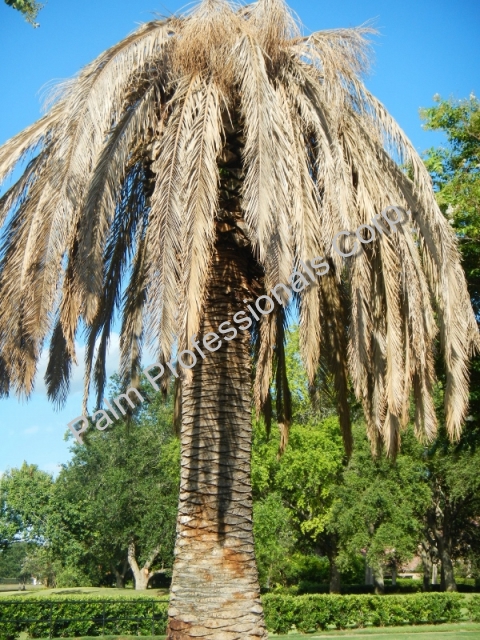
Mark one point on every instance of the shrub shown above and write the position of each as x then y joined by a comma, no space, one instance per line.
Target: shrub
306,586
69,617
320,612
72,577
474,608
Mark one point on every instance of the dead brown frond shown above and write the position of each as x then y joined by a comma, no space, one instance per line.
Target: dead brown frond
118,204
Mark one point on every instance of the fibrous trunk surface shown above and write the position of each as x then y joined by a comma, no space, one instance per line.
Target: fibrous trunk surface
215,592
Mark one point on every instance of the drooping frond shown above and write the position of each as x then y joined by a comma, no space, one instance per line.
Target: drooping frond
333,320
140,123
201,177
228,119
164,230
132,332
118,251
265,195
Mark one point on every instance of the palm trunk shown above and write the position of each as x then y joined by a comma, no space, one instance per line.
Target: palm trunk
215,592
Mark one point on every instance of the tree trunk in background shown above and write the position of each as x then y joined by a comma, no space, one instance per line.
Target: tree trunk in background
368,575
215,592
394,575
119,580
439,519
378,581
427,567
448,579
120,575
335,581
141,576
332,553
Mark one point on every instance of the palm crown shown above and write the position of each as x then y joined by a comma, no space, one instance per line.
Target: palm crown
119,204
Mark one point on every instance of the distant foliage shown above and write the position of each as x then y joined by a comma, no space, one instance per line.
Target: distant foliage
29,8
455,169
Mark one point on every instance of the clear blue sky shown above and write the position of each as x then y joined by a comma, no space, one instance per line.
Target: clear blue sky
425,47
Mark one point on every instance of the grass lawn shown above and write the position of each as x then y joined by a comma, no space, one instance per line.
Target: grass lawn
104,592
467,630
460,631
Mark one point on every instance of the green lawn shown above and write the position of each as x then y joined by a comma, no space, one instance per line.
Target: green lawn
104,592
460,631
428,632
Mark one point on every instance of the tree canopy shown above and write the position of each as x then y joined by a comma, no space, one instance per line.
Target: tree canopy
29,8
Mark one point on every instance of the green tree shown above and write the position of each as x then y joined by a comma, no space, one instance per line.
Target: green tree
25,507
11,560
455,170
274,537
380,505
191,167
306,474
25,496
451,530
29,8
111,500
451,523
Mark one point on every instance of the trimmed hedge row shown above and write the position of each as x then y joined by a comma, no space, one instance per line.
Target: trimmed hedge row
70,616
403,586
474,608
319,612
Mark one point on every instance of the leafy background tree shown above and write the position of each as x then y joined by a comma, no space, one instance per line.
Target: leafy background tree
99,520
380,505
29,8
452,524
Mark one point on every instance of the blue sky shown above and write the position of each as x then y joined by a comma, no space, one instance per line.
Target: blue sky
424,47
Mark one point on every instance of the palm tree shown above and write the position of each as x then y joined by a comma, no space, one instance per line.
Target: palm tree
182,174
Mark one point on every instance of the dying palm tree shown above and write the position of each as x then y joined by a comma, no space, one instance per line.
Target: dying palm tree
182,174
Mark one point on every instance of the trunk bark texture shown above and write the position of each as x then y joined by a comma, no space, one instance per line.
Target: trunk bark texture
215,593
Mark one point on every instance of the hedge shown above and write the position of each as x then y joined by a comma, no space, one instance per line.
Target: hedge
407,586
69,616
319,612
474,608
